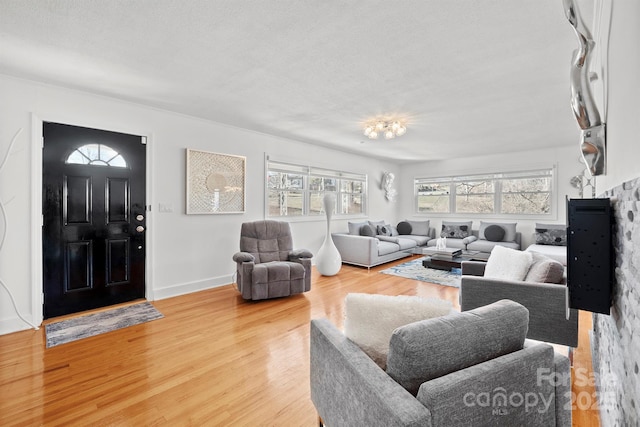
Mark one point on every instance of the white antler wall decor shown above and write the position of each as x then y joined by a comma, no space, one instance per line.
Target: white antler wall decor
5,220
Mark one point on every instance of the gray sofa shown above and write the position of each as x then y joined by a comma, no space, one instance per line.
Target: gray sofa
369,251
478,239
461,356
546,303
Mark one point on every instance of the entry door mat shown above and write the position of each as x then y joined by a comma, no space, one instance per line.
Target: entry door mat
414,270
90,325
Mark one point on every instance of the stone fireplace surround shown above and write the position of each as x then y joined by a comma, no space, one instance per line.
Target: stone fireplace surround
616,338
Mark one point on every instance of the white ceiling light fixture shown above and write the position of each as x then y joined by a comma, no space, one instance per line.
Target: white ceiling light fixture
388,128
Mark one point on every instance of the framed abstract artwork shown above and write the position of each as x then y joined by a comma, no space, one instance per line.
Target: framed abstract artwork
215,183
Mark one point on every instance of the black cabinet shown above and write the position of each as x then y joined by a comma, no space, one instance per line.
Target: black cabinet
589,254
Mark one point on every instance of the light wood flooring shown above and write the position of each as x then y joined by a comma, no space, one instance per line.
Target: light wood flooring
214,360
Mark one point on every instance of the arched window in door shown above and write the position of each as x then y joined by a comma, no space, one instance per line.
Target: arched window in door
96,155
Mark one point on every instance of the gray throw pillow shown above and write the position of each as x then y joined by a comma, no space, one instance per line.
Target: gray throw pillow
544,270
404,228
551,234
384,230
429,349
494,233
509,230
368,230
376,223
456,230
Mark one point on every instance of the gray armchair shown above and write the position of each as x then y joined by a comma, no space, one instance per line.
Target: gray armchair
267,265
546,303
463,369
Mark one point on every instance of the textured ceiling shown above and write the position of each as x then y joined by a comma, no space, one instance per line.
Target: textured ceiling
470,77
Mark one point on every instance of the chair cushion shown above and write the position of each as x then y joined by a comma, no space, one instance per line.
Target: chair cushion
419,240
429,349
508,264
276,271
370,319
266,240
544,270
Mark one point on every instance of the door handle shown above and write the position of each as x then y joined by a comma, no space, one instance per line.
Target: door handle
139,229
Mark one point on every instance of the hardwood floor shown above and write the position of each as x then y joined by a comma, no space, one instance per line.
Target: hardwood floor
214,359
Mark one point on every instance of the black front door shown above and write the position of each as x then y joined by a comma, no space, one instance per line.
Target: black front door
93,218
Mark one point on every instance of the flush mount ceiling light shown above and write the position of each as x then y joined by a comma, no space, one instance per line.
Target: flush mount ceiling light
388,128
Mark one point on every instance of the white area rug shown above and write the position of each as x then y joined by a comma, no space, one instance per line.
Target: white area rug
414,270
90,325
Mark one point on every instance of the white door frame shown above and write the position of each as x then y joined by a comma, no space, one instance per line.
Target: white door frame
37,141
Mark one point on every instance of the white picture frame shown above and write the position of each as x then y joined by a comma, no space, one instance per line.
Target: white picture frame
215,183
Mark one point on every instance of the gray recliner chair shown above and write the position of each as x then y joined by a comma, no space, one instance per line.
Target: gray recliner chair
267,265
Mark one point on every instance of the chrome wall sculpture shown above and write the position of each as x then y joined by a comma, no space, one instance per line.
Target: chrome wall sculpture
593,133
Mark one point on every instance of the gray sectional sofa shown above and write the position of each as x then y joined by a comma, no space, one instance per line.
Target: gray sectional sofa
365,244
460,235
361,247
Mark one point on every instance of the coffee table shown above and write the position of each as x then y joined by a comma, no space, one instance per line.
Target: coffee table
448,264
444,264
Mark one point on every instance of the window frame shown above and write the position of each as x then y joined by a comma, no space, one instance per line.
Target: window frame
308,173
97,160
497,178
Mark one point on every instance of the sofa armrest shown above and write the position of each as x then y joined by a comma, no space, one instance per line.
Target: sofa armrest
241,257
484,394
469,239
361,250
244,272
546,304
306,263
299,253
348,388
563,390
473,268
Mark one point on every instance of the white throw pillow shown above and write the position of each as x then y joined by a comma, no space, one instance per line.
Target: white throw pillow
370,319
508,264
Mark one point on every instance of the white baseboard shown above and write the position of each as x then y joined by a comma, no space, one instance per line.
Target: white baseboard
13,324
190,287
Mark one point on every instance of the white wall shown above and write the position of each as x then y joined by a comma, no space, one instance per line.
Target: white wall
187,252
623,113
565,157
